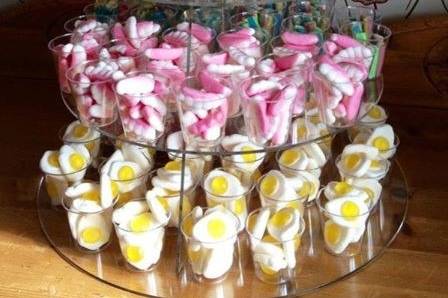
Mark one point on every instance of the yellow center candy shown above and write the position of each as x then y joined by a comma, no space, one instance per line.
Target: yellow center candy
332,233
269,185
90,146
163,201
174,166
351,161
124,197
342,188
375,164
141,222
216,228
80,131
306,189
53,159
302,131
126,173
281,218
52,190
251,223
187,226
267,270
349,210
114,187
375,113
93,195
134,253
381,143
219,185
248,157
77,161
194,256
91,235
289,157
240,206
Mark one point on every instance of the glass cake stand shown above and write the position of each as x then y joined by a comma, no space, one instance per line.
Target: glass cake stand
316,267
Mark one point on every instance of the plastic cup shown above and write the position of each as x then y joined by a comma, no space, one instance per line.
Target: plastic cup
282,267
105,103
342,233
209,261
91,231
141,248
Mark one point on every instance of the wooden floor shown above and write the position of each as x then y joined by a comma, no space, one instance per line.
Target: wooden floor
416,97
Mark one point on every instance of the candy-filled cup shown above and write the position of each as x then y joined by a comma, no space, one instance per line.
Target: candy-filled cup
63,60
202,114
307,24
140,235
170,199
76,133
95,100
377,170
91,230
237,203
263,19
343,222
336,109
83,24
252,42
274,252
376,36
128,61
246,164
129,185
268,106
142,111
386,150
165,15
210,239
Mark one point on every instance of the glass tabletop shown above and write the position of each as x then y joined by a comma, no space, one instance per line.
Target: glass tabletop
316,267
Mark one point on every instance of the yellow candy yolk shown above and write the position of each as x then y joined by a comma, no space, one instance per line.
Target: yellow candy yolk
187,226
164,203
114,188
267,270
240,206
349,210
294,205
302,131
80,131
289,157
375,113
306,189
375,163
174,165
351,161
186,206
134,253
90,146
91,235
93,195
124,197
269,185
381,143
77,161
53,159
141,222
216,228
342,188
332,233
52,190
219,185
251,223
126,173
248,157
281,218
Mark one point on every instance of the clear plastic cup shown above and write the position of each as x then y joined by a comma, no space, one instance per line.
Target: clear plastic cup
308,24
343,228
141,246
378,169
255,51
197,132
171,200
99,112
274,262
91,231
238,204
209,261
258,121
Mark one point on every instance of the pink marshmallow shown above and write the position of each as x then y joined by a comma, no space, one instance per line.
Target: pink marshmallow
137,85
211,84
344,41
216,58
352,103
164,54
203,34
299,39
330,48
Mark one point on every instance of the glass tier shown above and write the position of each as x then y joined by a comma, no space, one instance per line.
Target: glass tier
316,267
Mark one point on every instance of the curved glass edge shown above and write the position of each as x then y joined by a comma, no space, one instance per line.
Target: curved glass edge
299,293
219,3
